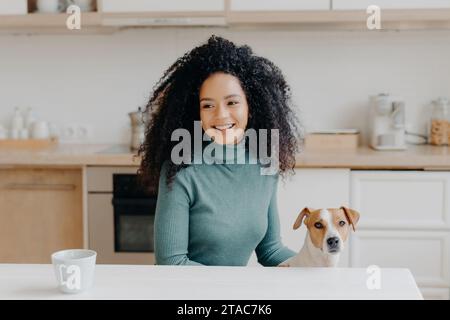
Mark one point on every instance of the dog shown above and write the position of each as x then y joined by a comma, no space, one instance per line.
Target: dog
328,230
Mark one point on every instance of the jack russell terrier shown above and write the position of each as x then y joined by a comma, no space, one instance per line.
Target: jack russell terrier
327,231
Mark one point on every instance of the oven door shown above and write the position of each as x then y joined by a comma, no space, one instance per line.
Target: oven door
102,233
133,224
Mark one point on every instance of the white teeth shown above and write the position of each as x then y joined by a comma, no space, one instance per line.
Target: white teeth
228,126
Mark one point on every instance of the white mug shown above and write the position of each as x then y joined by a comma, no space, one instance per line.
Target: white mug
40,130
74,269
48,6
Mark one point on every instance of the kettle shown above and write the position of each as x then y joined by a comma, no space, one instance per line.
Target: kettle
138,121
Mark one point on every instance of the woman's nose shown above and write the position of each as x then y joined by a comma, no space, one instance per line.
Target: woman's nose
222,111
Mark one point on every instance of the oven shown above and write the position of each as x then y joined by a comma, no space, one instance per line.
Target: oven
121,216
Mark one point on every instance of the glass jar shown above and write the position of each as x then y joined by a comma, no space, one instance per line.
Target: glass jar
439,134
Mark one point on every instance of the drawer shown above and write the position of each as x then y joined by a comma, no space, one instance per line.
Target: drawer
425,253
40,179
435,293
100,179
401,199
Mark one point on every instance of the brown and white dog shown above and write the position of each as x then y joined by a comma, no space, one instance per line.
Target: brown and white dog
328,230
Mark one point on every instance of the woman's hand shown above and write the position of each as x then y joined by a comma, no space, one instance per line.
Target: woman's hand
284,265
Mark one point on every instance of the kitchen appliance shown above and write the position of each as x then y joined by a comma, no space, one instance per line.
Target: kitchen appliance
387,123
121,215
137,129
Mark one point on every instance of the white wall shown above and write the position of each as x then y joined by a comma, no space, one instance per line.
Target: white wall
98,79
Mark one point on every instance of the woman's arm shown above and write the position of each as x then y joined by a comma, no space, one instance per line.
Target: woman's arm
171,228
271,251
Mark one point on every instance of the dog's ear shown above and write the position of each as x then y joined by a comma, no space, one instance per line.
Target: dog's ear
352,216
306,211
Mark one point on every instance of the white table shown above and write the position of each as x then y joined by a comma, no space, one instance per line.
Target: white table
22,281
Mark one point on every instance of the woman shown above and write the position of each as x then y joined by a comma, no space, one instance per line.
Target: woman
218,212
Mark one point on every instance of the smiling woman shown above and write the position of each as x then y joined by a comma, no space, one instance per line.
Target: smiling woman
223,108
218,213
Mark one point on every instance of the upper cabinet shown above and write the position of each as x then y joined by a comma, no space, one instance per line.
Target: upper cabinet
279,5
114,15
390,4
160,6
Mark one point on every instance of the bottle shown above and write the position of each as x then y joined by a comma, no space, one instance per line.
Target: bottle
439,123
29,118
16,124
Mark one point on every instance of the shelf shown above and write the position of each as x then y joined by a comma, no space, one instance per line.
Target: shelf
323,19
47,22
344,19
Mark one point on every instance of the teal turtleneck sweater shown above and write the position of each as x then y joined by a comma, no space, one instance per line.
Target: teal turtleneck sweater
218,214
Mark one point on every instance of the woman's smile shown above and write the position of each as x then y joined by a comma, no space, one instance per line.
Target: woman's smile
224,126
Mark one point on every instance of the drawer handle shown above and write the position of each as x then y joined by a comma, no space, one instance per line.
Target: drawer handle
29,186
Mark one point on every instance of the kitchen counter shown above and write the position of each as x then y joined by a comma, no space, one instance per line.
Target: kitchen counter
21,281
415,157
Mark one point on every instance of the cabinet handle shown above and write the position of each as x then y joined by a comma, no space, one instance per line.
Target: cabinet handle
29,186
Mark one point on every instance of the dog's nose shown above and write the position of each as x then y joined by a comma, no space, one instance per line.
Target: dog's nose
333,242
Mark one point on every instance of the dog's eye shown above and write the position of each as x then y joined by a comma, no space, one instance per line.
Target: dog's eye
318,225
342,223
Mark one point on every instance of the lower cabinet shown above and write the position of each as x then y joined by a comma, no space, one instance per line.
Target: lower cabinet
435,293
315,188
41,212
424,253
405,223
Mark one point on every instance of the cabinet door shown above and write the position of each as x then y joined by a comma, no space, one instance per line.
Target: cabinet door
160,6
40,213
435,293
279,5
401,199
390,4
315,188
425,253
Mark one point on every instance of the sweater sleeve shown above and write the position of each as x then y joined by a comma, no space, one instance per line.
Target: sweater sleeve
171,229
271,251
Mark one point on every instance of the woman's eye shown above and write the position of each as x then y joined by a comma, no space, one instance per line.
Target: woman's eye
232,103
318,225
206,106
342,223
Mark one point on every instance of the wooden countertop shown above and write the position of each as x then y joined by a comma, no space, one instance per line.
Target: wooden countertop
415,157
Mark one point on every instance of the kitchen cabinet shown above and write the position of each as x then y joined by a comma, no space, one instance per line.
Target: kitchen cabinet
315,188
404,223
41,211
160,6
279,5
390,4
435,293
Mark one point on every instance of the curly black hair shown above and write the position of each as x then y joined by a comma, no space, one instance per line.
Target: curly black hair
174,104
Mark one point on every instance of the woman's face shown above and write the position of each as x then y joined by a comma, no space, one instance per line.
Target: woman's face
223,108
